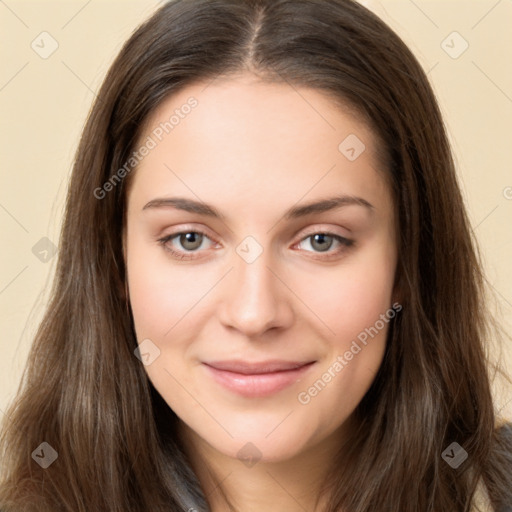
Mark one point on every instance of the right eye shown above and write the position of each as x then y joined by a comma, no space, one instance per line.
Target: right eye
190,242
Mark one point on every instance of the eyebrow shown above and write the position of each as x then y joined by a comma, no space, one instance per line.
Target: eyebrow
324,205
191,206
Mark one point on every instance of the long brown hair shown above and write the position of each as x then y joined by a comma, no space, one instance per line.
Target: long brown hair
85,393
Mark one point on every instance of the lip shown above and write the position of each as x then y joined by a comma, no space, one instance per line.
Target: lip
257,379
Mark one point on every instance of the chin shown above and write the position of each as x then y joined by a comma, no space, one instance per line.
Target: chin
261,441
257,449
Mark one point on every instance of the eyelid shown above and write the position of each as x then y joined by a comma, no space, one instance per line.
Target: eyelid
197,231
183,229
319,229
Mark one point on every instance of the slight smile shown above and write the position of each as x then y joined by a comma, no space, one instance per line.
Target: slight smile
257,379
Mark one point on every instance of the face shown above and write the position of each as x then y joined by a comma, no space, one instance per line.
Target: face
261,254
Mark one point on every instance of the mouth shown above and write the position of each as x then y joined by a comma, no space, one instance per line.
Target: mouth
257,379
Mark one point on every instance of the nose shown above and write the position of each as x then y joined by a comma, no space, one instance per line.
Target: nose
255,298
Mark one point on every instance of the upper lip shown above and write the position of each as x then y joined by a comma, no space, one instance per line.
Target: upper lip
248,368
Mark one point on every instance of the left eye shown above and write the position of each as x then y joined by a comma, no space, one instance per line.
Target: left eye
323,242
190,241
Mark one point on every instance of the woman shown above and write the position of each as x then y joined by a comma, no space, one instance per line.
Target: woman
267,296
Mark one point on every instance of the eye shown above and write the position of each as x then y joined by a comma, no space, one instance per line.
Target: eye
322,242
179,244
185,244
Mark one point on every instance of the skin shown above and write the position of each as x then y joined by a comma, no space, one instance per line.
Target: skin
253,150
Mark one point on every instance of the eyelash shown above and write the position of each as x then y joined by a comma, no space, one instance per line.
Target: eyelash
345,244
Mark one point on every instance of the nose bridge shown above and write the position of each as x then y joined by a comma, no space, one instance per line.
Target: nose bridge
255,300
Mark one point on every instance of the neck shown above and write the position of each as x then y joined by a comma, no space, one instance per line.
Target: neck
294,485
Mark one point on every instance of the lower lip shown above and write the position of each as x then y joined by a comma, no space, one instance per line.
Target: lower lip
257,385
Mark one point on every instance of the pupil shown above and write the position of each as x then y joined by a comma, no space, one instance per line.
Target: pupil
321,238
190,240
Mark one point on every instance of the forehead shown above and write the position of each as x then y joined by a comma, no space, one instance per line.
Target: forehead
245,137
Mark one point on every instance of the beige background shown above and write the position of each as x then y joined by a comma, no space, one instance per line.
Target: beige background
44,103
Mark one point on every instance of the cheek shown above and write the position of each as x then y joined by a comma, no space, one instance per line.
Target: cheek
350,298
354,304
165,302
359,316
161,293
